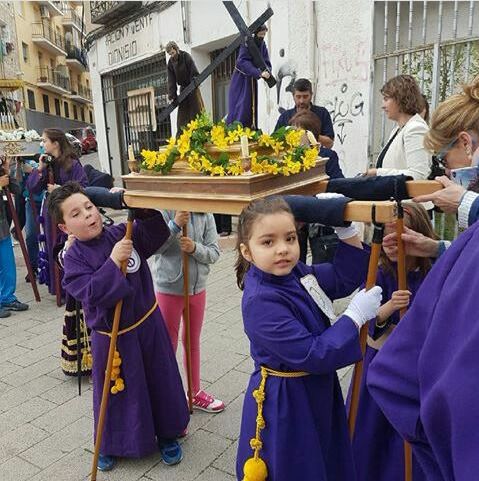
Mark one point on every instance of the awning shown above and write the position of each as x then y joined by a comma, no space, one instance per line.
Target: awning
11,84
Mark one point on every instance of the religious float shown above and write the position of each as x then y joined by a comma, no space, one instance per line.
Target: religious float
221,168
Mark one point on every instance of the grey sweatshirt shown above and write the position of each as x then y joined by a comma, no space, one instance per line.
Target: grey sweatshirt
168,261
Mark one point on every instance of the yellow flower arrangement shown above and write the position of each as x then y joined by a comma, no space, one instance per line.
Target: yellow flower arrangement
287,156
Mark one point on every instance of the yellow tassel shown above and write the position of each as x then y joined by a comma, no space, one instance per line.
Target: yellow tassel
255,470
115,375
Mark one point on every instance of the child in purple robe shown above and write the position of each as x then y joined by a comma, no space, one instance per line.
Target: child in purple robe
294,422
63,167
147,407
378,449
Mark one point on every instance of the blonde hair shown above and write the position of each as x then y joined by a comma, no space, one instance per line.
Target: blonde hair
458,113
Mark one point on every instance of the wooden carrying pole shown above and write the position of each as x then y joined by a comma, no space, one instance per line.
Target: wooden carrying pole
106,385
186,321
56,269
363,334
402,285
21,241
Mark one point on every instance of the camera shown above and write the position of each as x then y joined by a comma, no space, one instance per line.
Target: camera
47,159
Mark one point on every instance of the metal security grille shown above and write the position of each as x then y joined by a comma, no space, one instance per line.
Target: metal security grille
139,92
435,41
221,79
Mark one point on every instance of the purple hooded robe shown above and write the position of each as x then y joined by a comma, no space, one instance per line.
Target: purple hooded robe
243,92
425,377
306,434
153,405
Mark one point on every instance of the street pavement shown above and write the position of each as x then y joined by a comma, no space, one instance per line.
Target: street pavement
46,428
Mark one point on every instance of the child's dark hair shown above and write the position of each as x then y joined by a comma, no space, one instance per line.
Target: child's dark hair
417,219
58,196
256,209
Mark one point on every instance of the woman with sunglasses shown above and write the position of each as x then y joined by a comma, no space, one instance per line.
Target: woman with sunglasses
424,378
454,137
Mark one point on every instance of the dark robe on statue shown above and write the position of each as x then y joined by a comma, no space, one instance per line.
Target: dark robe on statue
243,92
425,377
181,72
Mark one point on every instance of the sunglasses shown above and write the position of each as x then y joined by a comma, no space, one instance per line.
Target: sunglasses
441,155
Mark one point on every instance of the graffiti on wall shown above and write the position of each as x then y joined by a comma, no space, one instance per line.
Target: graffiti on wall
338,65
343,108
286,76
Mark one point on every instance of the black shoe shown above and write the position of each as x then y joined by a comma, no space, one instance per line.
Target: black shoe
4,312
16,305
225,234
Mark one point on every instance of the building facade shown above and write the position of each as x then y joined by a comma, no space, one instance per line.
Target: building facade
345,52
57,90
12,114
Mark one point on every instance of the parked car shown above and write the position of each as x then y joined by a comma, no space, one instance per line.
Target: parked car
75,143
87,138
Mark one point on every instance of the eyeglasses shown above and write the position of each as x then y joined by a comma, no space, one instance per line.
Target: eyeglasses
441,155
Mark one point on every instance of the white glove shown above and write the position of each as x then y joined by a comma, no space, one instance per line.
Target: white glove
328,195
364,305
346,232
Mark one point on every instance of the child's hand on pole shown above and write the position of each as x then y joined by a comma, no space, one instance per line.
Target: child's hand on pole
181,218
187,245
4,181
121,252
400,299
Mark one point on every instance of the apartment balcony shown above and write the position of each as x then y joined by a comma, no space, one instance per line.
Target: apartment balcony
53,8
105,12
45,37
71,19
81,94
53,81
76,58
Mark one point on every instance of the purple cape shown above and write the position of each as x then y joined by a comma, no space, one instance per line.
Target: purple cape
425,377
306,435
153,404
378,450
36,183
243,92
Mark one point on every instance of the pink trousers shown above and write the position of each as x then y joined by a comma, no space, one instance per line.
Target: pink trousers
171,307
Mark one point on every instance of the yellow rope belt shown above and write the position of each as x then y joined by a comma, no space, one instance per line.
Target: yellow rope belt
119,385
255,468
133,326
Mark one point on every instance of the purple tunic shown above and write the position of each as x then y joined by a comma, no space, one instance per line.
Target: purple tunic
306,435
378,450
425,377
243,91
153,404
36,183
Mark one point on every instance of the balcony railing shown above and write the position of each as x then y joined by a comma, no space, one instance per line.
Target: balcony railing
41,30
75,53
71,17
105,12
81,91
46,75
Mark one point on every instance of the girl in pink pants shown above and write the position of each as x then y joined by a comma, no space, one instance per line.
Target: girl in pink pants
202,248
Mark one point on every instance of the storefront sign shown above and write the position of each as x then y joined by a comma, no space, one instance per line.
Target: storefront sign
127,42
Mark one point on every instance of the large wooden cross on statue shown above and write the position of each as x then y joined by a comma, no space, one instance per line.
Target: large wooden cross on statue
246,35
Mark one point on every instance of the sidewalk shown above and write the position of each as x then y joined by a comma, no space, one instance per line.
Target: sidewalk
46,429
